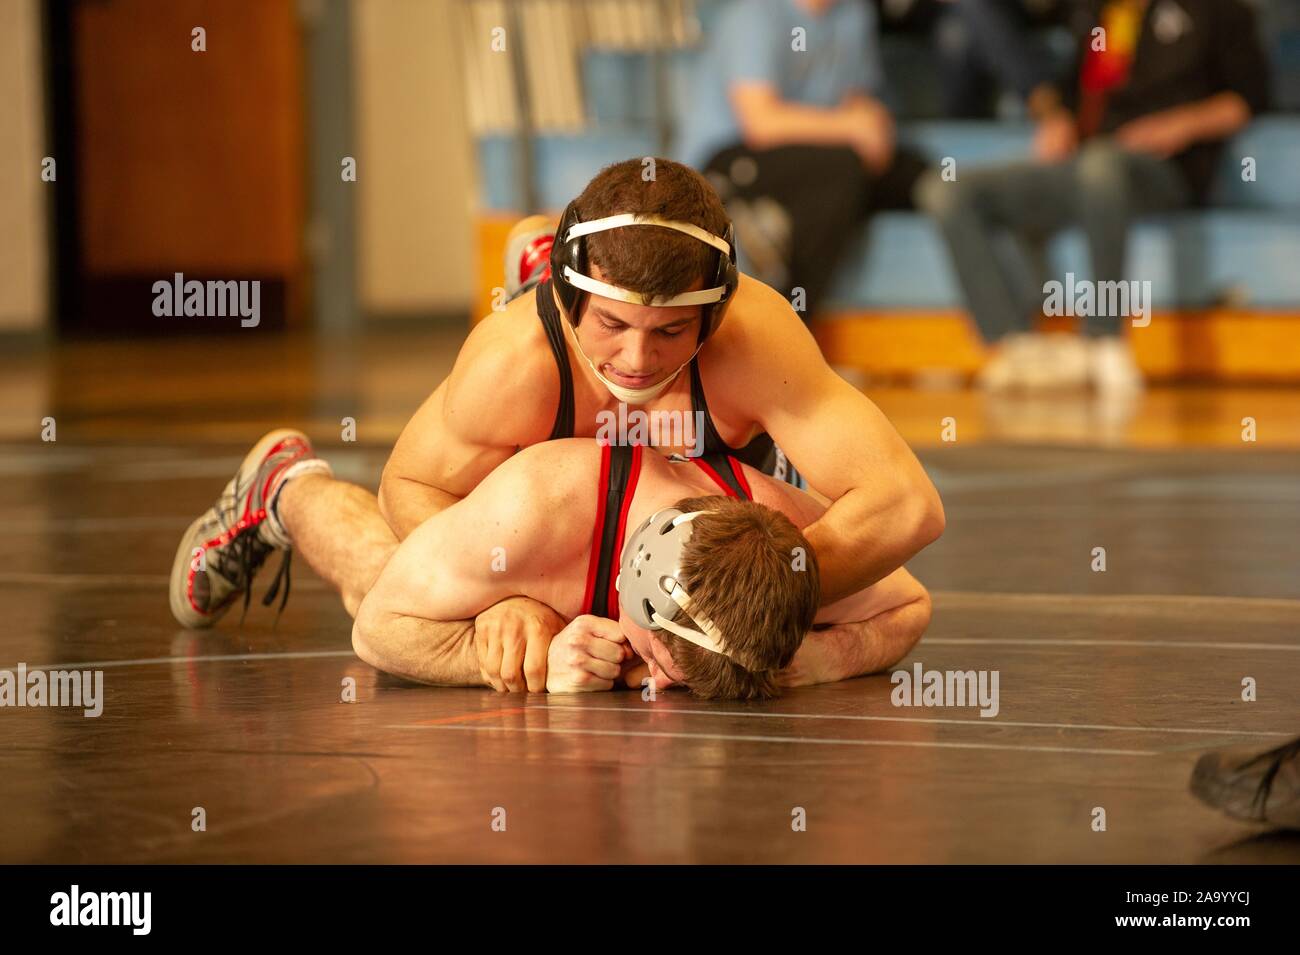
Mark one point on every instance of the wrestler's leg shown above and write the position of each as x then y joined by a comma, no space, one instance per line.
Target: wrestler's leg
338,530
890,636
283,498
864,633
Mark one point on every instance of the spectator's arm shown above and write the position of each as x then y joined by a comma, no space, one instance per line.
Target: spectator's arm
751,58
766,120
1219,117
1045,102
858,99
1170,131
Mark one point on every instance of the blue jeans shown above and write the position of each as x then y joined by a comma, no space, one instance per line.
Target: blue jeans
1102,189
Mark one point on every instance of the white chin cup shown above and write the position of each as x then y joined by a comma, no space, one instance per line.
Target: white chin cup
630,396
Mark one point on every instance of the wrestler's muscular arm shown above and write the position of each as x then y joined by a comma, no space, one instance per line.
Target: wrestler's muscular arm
862,633
501,395
884,507
865,633
417,621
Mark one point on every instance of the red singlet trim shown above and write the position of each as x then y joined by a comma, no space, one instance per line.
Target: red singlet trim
612,602
602,488
717,478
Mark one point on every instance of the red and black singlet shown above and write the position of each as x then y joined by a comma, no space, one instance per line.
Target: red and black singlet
620,468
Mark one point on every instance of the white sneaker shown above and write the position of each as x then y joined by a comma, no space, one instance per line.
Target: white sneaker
1112,367
1038,363
1004,371
1035,357
1063,363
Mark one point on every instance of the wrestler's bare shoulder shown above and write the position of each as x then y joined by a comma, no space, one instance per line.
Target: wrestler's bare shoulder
506,369
761,339
553,483
757,312
512,336
574,460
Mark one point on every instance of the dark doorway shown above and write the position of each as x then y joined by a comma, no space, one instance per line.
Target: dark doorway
174,160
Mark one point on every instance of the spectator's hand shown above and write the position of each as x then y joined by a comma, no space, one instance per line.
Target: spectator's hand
586,655
512,639
1159,134
871,130
1057,137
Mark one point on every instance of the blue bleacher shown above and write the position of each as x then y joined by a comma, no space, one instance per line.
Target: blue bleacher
1245,249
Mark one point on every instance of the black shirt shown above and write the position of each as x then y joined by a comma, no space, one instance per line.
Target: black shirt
1188,50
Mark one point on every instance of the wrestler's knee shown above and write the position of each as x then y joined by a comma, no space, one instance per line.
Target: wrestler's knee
924,610
352,604
1102,171
911,619
364,621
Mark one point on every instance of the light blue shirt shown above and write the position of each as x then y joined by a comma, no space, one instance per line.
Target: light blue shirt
753,41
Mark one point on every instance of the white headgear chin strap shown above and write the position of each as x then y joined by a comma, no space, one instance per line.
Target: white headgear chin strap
711,637
706,296
631,396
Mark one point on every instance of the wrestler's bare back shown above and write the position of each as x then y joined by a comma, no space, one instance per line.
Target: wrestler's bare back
527,529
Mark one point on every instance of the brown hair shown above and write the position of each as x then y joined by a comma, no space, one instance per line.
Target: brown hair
743,572
657,263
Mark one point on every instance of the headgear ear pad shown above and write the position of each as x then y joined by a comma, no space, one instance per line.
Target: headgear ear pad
649,585
572,252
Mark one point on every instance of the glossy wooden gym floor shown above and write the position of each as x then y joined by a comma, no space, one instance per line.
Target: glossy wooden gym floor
1110,683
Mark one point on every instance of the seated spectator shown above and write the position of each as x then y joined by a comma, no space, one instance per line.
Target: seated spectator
983,48
786,125
1160,86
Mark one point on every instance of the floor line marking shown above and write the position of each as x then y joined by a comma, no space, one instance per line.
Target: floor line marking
138,580
813,740
208,658
917,719
1176,600
1158,644
471,717
114,580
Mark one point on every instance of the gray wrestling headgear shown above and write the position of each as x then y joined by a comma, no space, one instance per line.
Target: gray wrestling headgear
648,583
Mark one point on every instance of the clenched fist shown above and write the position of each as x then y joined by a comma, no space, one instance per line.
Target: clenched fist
586,655
511,639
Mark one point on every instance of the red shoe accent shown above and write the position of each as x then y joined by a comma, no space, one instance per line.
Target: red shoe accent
243,524
537,252
270,478
260,476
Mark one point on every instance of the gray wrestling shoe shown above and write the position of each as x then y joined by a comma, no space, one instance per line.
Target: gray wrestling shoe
226,546
1250,785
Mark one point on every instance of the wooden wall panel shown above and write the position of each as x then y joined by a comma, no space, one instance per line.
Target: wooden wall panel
190,161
